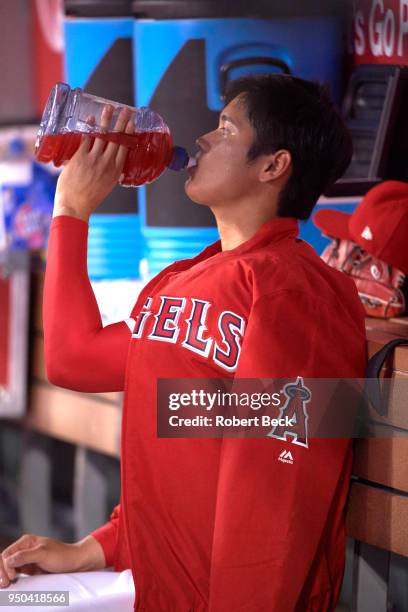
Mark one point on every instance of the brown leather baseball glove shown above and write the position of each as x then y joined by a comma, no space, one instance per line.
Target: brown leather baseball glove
379,285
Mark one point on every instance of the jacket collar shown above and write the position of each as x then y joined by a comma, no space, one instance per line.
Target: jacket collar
271,231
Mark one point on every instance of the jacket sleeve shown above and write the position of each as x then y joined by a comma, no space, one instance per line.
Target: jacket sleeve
107,536
80,353
271,515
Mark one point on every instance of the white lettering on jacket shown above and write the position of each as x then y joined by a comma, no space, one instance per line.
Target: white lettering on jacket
191,332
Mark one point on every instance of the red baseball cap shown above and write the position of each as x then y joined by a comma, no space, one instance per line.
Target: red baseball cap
379,224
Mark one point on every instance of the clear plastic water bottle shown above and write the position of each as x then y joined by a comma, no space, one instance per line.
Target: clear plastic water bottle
70,113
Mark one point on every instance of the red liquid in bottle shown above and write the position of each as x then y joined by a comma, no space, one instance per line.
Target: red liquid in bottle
149,152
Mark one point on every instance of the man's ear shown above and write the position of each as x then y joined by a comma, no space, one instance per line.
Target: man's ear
275,166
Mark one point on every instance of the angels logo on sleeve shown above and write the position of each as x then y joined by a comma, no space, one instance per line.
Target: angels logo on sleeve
297,396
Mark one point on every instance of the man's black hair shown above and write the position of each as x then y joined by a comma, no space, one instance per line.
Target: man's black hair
297,115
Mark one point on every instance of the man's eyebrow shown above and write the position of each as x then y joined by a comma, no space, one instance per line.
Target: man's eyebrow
225,117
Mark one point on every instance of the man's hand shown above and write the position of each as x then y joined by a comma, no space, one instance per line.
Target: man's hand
92,173
33,554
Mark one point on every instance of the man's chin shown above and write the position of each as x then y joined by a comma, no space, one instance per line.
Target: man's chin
193,193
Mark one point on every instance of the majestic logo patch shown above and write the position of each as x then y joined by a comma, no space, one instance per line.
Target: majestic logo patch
366,233
297,396
286,457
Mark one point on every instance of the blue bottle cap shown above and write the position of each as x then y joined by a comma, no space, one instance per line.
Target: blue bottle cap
180,159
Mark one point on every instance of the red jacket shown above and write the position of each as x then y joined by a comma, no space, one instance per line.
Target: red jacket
215,525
